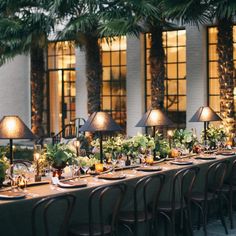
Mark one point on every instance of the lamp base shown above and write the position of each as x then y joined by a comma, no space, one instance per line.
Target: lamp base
37,178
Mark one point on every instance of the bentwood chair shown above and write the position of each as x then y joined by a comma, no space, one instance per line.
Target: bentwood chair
145,199
52,214
103,208
229,189
178,207
212,193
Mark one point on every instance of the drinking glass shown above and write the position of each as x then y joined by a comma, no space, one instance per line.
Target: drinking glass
206,145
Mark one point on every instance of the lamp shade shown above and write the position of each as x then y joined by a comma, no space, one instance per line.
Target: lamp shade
100,121
205,114
12,127
154,117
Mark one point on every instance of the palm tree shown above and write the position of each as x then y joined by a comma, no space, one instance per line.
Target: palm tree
222,12
24,28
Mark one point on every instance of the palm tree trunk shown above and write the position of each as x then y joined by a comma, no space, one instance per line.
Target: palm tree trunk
226,73
93,72
37,86
157,68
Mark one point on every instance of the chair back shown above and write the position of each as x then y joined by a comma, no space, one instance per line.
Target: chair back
104,205
46,212
232,174
182,186
146,194
215,177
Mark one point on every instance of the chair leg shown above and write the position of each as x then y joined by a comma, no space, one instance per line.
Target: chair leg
205,214
231,210
221,215
189,219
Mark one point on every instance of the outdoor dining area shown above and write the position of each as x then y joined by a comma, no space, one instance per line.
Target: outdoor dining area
158,183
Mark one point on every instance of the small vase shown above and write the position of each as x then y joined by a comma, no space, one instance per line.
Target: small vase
57,173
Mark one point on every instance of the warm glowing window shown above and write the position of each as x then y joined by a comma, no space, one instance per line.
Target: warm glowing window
213,79
61,84
174,43
113,53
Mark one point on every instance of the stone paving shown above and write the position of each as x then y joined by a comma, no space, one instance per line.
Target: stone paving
216,229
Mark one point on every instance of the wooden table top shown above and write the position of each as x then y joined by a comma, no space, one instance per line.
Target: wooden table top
130,174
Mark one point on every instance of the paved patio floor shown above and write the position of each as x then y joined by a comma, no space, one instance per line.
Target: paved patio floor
216,229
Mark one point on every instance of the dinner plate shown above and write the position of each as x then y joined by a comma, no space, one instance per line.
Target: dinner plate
205,158
181,162
72,184
10,195
225,153
112,176
149,168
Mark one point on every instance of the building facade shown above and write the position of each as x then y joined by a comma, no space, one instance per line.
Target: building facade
190,80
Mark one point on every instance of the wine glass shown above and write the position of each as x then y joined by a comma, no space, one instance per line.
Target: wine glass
114,163
85,168
206,145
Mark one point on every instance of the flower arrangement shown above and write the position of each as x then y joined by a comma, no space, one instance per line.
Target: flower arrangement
58,155
138,144
214,134
162,145
87,161
4,165
185,139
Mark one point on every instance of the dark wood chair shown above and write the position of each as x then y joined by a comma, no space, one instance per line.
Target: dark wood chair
144,203
212,192
103,208
179,202
229,189
44,212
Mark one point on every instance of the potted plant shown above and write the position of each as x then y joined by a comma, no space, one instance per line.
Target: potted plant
4,165
59,156
214,135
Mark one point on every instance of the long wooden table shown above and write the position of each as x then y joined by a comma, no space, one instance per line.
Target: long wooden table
15,215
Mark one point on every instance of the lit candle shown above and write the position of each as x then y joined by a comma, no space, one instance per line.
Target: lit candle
170,135
99,167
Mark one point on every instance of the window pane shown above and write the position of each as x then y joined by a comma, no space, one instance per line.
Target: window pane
115,59
181,54
214,87
106,58
182,87
171,38
213,69
214,102
212,35
213,56
172,71
123,58
181,38
106,104
182,103
182,70
106,88
172,87
106,73
171,55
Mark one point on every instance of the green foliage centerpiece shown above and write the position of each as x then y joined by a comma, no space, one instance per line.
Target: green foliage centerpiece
59,156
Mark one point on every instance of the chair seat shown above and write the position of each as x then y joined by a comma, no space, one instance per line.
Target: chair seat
128,216
199,197
166,206
83,230
226,188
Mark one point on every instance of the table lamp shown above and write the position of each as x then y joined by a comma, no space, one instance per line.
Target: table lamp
205,114
12,127
100,122
154,118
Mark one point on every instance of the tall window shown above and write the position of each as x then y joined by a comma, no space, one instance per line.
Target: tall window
174,43
114,78
61,84
213,78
